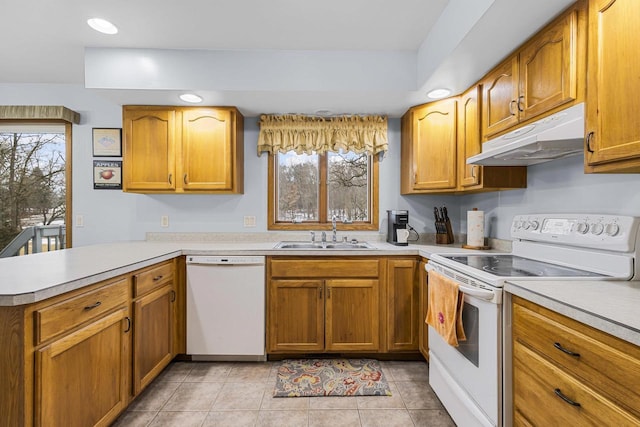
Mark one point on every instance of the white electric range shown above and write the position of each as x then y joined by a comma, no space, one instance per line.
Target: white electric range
468,379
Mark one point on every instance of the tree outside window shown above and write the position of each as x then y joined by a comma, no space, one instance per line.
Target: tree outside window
308,190
32,181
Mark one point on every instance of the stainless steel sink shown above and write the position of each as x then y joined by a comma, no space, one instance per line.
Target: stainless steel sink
323,246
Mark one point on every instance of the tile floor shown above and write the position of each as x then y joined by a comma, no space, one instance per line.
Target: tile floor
206,394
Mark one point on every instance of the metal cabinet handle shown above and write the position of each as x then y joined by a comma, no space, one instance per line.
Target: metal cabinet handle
92,306
155,279
328,292
320,289
520,102
173,295
589,138
565,398
128,319
184,179
564,350
170,176
513,101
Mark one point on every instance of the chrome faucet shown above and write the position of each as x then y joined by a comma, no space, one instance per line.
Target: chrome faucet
324,237
334,219
313,236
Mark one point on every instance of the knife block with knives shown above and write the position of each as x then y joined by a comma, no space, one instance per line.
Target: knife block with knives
444,233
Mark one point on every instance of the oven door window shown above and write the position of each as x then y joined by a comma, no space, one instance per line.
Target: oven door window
470,348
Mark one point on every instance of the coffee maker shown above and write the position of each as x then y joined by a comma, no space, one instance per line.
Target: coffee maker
397,219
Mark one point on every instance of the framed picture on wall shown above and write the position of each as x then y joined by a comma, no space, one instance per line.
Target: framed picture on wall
107,175
107,142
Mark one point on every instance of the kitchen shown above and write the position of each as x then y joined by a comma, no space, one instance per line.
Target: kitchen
557,186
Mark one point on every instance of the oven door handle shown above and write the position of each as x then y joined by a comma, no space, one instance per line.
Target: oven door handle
482,294
478,293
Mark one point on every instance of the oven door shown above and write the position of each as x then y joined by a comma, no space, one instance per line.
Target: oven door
468,378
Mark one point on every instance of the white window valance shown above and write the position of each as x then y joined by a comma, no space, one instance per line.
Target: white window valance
307,134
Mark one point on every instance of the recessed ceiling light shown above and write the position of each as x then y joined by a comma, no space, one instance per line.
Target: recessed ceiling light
191,97
323,112
438,93
102,25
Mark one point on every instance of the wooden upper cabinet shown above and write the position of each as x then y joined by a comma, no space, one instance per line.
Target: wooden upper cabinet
545,75
208,155
183,149
476,178
469,139
548,68
429,148
149,149
500,97
613,133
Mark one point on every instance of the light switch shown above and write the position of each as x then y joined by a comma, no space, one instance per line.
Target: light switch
164,221
79,221
249,221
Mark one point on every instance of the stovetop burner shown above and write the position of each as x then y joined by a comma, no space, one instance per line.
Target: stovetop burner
515,266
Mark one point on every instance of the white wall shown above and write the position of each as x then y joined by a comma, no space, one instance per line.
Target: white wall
110,215
558,186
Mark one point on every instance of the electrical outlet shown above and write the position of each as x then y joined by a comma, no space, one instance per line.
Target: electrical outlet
164,221
79,221
249,221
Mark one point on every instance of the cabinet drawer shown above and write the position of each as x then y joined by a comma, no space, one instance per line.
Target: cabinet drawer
325,268
537,385
63,316
609,364
151,279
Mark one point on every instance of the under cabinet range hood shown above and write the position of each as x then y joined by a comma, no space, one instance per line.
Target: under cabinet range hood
553,137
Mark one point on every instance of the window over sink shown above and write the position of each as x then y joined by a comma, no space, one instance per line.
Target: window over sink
309,190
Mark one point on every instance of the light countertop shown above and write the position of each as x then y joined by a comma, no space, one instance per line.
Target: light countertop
32,278
610,306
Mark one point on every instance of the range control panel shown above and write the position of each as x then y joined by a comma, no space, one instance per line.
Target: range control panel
608,232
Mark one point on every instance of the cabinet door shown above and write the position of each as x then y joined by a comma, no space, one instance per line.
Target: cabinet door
153,326
613,133
402,305
500,98
434,146
469,139
548,68
149,149
352,315
296,315
207,149
82,378
424,304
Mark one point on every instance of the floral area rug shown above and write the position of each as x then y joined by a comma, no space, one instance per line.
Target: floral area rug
330,377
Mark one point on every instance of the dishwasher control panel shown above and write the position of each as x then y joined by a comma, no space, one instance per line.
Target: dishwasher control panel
221,260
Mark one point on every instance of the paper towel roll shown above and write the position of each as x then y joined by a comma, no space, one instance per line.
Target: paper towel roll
475,228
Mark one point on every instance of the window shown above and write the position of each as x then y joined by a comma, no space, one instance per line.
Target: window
34,193
308,190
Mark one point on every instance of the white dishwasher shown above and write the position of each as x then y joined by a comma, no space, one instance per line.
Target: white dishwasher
226,308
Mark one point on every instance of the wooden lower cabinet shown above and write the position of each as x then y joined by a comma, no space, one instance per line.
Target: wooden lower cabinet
342,304
82,378
580,375
296,315
153,335
424,304
403,304
323,315
71,360
352,310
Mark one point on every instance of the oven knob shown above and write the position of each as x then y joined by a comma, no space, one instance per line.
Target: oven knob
597,229
535,225
526,225
582,228
611,229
